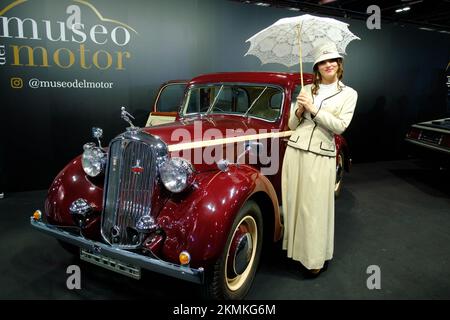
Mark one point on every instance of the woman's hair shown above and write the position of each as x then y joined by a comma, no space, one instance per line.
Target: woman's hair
318,77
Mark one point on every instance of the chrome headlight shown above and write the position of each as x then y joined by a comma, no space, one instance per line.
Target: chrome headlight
176,174
93,159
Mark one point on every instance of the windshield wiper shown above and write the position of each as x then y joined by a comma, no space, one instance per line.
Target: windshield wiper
253,103
210,108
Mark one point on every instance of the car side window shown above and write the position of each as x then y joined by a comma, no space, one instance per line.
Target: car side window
170,98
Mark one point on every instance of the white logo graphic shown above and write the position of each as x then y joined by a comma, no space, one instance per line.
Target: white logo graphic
74,280
374,21
74,20
374,281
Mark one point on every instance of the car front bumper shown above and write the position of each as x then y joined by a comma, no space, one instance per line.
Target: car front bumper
153,264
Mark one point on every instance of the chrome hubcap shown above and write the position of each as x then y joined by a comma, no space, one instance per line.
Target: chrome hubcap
241,253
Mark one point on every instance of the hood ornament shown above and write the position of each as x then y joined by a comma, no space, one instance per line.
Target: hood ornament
125,115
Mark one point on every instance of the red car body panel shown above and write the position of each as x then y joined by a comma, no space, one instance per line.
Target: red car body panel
69,185
199,223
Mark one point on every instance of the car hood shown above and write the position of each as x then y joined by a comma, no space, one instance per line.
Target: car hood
193,138
195,129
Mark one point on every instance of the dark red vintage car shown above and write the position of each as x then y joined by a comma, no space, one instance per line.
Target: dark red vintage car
193,199
431,138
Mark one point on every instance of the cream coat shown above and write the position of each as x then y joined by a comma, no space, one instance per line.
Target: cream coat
316,134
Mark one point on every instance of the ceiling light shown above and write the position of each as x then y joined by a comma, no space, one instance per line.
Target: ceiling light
402,9
294,9
263,4
426,29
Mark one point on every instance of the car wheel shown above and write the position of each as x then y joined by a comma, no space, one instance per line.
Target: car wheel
339,173
232,275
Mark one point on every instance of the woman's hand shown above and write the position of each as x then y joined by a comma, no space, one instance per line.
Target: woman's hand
299,112
306,102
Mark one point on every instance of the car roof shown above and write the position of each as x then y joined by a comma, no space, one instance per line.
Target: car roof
279,78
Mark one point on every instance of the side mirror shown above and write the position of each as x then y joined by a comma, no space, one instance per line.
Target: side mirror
251,147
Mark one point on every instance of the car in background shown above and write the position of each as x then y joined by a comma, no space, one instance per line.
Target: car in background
431,140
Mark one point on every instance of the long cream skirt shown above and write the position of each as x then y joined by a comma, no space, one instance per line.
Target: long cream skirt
308,182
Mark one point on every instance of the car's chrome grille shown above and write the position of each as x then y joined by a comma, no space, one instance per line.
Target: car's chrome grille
131,175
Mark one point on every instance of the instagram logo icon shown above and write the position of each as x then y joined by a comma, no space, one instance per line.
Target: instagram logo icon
16,83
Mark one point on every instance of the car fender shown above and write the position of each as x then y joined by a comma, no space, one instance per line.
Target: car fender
341,145
200,221
69,185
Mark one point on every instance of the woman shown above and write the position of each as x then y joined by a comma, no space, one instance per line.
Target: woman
323,108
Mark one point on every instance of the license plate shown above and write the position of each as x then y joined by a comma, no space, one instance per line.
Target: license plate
111,264
431,136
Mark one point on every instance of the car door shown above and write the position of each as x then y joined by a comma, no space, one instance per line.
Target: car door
167,103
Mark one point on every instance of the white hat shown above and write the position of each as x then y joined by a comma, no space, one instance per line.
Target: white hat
324,52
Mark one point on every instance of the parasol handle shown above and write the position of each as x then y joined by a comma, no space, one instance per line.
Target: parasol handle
299,30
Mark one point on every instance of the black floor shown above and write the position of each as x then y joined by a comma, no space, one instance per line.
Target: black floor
395,215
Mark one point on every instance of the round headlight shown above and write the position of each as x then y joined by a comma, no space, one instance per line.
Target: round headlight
93,159
176,174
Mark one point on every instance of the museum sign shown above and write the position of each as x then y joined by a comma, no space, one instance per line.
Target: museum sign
66,41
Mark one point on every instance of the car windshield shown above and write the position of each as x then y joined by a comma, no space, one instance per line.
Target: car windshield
255,100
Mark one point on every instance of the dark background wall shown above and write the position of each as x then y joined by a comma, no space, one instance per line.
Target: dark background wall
399,73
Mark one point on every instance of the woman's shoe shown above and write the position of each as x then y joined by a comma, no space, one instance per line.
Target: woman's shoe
313,273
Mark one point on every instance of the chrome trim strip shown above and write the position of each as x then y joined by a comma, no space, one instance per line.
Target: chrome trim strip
148,263
417,126
426,145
